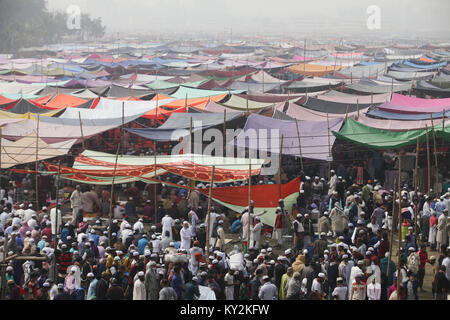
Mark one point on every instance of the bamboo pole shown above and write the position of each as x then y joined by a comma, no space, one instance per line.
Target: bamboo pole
185,103
416,173
329,147
157,103
304,58
208,216
357,107
36,165
55,239
436,170
112,196
249,200
391,237
81,131
299,145
190,137
428,163
224,129
346,112
122,128
279,166
399,223
155,191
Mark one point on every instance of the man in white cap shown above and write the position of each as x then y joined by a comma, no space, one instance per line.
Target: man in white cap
220,242
28,213
324,224
413,261
139,226
373,288
332,183
278,227
91,287
340,292
255,233
317,286
358,289
70,281
167,224
75,203
139,292
245,219
268,290
186,236
56,219
442,230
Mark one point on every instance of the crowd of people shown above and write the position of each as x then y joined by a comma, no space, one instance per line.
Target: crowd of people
335,243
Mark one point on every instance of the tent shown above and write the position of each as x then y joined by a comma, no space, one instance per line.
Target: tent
265,197
265,134
369,137
377,113
178,125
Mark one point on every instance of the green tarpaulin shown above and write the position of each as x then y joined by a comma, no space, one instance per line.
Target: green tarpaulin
382,139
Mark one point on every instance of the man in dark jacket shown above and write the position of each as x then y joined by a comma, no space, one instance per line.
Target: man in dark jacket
191,290
115,292
441,285
14,291
333,274
256,284
410,287
102,286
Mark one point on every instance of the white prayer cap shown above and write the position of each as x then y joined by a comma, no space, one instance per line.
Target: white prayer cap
411,249
116,258
46,285
73,269
31,240
325,213
140,274
215,261
266,278
345,256
171,244
339,279
9,268
135,254
272,262
386,254
263,251
44,208
326,251
307,178
321,275
28,233
323,234
287,251
90,275
305,251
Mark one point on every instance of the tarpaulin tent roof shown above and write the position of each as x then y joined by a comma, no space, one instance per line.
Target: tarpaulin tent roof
313,69
411,75
265,197
255,87
192,93
192,166
340,97
25,150
212,106
268,97
301,113
419,102
58,130
361,71
396,108
120,91
369,86
178,125
24,106
61,100
264,77
398,125
240,103
313,135
382,139
161,84
375,112
332,107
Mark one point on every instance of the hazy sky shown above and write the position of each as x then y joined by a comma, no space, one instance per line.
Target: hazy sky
414,18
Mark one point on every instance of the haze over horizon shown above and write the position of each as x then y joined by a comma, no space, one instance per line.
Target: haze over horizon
413,18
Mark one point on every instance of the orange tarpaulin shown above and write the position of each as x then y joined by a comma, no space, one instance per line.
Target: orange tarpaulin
313,69
62,100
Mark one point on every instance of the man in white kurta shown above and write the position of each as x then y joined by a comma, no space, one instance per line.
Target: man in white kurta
56,220
255,234
167,224
75,202
229,285
186,236
245,220
373,289
441,235
139,292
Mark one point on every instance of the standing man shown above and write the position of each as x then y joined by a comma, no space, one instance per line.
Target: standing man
186,236
255,235
75,204
268,290
442,236
245,219
139,292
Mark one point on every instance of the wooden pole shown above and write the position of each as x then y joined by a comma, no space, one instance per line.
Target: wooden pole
81,131
391,237
436,169
249,200
399,223
55,238
36,165
279,166
304,58
224,129
157,103
208,216
443,119
190,138
428,163
112,197
346,112
122,128
416,178
155,191
185,103
329,147
392,87
357,107
299,145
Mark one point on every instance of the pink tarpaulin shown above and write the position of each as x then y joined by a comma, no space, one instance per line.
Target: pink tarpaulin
300,113
419,102
398,125
396,108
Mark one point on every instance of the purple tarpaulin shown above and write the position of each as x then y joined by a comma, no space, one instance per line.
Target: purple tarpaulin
265,133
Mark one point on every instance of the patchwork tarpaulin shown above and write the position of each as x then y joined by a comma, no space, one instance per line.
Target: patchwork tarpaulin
332,107
300,113
24,150
97,167
265,197
265,134
370,86
382,139
340,97
178,125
